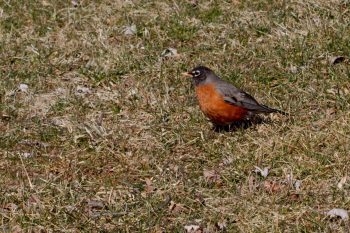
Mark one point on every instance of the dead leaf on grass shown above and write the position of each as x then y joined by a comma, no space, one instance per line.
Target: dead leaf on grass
252,184
273,186
331,111
297,185
95,204
199,197
226,161
23,87
192,228
75,3
26,155
342,182
336,59
293,69
335,213
11,207
295,197
169,52
222,225
174,168
149,185
81,90
263,172
130,30
211,176
175,207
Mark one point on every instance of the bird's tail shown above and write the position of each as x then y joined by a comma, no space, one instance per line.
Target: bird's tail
266,109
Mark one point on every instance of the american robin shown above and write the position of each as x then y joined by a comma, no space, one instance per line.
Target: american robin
220,101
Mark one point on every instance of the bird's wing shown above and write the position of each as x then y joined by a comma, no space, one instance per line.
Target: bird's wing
237,97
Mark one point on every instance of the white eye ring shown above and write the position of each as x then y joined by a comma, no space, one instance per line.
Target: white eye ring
196,73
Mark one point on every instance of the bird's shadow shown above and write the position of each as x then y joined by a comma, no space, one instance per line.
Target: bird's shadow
244,124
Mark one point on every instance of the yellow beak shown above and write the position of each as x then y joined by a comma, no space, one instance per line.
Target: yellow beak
187,74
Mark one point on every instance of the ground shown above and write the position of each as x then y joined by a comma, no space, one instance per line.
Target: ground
101,133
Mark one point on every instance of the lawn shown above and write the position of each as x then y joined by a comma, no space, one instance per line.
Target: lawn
99,132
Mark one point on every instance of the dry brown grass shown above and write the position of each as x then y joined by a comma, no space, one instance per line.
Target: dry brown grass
109,138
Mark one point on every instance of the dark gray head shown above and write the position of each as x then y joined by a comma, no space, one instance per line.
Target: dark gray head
201,75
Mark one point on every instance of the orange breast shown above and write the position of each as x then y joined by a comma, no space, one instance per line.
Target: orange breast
215,108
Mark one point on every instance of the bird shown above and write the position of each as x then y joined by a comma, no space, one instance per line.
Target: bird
221,102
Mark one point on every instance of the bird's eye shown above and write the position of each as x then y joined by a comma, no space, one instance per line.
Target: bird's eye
196,73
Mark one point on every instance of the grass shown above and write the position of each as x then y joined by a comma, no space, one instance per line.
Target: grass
133,153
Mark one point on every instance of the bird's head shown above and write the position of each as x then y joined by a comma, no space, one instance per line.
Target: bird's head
200,74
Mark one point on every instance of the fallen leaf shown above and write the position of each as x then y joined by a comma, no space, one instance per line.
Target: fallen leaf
293,69
289,179
273,186
222,225
11,207
297,185
342,182
132,92
130,30
330,111
295,197
336,59
169,52
211,176
75,3
175,207
82,90
251,184
263,172
192,228
200,198
343,214
149,185
227,161
23,87
174,168
26,155
95,204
